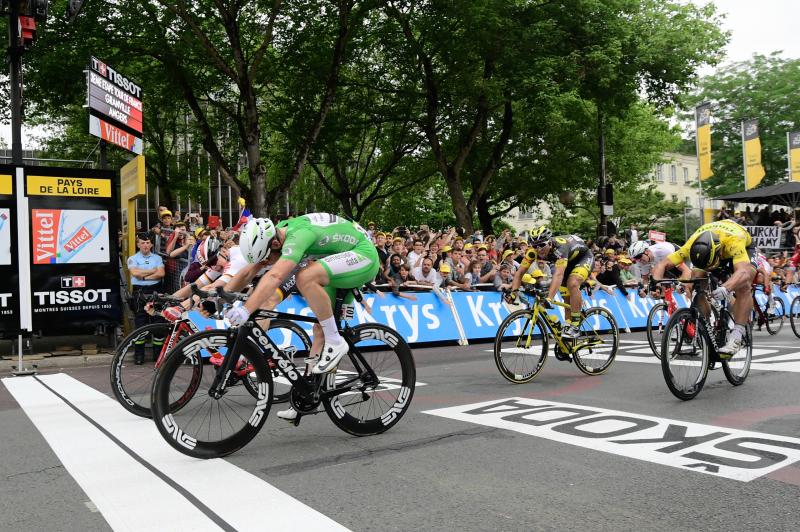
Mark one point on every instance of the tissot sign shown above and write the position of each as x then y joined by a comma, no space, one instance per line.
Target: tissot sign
115,107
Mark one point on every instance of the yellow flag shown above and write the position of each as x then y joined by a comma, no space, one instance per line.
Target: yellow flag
753,171
702,115
794,155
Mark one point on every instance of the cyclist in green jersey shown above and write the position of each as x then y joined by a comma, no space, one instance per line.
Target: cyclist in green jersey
341,255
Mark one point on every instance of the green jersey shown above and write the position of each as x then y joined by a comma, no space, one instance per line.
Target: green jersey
318,235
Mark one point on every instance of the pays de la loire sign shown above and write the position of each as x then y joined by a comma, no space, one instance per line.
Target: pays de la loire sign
721,451
115,106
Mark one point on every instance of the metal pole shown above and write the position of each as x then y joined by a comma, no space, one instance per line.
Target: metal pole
603,231
103,155
147,203
15,78
186,153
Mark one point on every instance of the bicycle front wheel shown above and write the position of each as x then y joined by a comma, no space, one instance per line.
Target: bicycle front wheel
596,347
364,405
774,321
190,417
520,347
685,354
737,367
794,316
132,379
656,323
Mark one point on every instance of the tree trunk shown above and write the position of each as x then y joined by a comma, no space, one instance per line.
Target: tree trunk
484,216
463,215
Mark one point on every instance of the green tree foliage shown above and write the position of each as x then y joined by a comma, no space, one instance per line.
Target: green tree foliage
765,87
635,203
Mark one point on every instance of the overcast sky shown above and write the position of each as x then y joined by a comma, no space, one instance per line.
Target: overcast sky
757,26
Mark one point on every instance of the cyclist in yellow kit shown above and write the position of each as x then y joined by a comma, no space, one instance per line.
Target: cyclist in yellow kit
721,244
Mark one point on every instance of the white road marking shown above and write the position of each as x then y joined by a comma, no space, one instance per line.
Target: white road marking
129,496
241,499
718,451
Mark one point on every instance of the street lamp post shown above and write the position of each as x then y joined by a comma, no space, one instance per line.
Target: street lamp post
15,63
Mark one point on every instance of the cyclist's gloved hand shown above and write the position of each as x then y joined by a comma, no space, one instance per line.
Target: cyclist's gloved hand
172,313
721,293
511,297
238,315
208,307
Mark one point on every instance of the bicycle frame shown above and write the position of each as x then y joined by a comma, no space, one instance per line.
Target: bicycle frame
305,387
540,309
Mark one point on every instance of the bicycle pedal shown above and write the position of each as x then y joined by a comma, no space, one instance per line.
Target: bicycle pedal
296,421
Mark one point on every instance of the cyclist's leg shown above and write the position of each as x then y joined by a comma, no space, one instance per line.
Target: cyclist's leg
575,277
318,283
744,272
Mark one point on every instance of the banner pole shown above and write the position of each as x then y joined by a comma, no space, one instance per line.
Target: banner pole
24,278
744,158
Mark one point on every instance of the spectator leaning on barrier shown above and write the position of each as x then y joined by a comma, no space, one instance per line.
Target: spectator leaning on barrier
147,271
488,268
504,278
425,274
628,279
473,274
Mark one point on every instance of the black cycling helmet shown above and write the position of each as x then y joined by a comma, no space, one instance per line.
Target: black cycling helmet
705,251
539,236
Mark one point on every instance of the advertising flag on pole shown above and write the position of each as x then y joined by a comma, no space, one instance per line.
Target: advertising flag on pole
751,153
793,140
702,115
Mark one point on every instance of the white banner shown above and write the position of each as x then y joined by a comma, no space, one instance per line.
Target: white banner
765,236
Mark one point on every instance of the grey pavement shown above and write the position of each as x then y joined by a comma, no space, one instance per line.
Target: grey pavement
432,472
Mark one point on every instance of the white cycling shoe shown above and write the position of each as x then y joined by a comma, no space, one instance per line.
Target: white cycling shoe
330,357
290,414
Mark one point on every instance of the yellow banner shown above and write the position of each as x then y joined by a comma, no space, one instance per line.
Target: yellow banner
5,184
794,155
132,179
39,185
703,124
753,171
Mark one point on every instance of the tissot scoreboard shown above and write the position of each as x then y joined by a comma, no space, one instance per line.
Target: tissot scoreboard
115,106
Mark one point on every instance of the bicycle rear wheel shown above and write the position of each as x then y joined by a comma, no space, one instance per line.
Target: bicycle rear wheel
371,407
737,367
794,315
597,345
656,323
190,418
131,383
685,354
774,321
295,344
520,347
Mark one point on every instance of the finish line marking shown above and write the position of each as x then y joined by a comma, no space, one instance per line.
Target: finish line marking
136,480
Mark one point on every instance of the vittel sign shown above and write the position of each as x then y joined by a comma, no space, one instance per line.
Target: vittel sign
116,78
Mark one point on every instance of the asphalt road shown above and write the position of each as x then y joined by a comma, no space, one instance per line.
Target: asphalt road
474,452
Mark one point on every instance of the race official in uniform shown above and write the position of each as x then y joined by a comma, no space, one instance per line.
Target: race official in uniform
147,271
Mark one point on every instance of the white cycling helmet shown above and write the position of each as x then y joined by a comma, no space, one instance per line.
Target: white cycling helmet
256,238
637,249
208,250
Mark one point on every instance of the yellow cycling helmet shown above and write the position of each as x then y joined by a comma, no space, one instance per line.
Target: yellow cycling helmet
540,235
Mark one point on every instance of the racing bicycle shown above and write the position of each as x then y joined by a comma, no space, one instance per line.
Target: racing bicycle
761,315
659,315
206,415
522,341
689,348
132,383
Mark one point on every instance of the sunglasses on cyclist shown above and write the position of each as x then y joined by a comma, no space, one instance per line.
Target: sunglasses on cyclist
213,260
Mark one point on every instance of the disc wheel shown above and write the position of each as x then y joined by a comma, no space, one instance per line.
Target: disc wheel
656,323
202,425
685,354
520,347
131,383
363,405
596,347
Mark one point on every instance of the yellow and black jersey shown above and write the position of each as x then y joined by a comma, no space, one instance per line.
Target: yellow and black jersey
733,238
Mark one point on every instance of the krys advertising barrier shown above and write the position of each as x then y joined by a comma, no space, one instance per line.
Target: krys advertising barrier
73,249
479,314
9,271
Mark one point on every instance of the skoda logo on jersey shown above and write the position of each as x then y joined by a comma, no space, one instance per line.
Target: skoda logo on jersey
324,241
